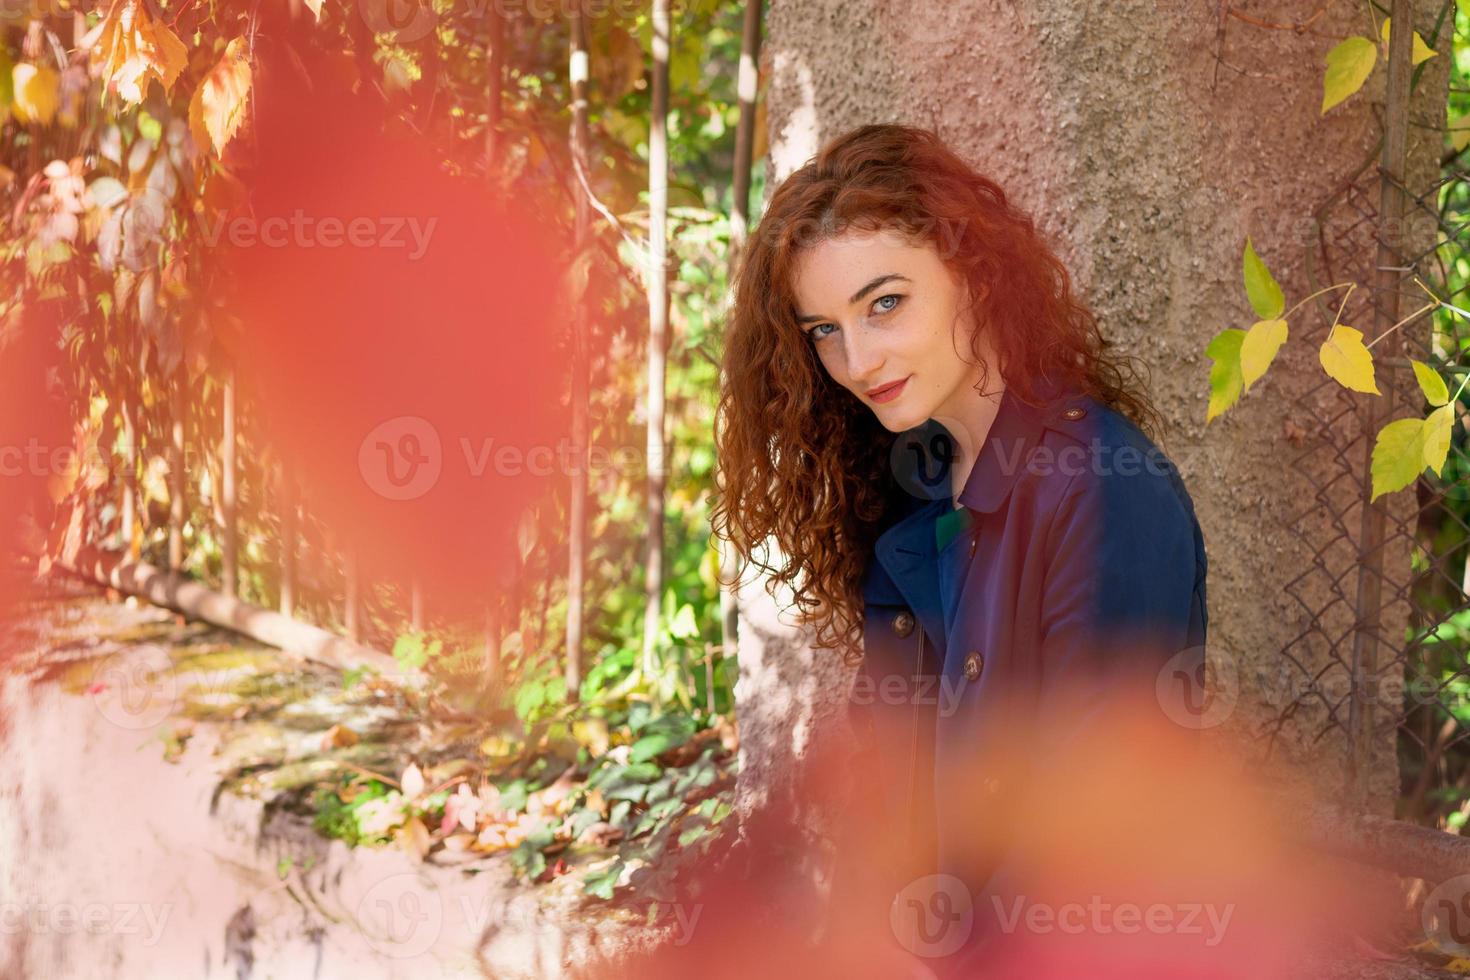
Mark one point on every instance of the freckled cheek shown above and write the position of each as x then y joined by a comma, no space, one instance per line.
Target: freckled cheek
835,365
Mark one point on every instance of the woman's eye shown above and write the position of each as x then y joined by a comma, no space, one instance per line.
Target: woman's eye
815,333
890,308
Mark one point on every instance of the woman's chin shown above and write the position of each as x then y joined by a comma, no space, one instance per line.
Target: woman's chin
899,419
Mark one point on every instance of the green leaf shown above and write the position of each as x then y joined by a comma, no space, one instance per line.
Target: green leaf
602,883
1260,286
409,650
148,127
1348,66
1259,348
693,829
652,745
1433,386
1347,361
683,626
514,796
1225,375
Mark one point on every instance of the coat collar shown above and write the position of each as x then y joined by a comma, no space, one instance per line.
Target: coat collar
906,551
1013,434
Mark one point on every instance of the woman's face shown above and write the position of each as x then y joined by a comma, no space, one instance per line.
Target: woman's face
891,323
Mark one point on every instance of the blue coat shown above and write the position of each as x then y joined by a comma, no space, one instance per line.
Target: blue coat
1074,571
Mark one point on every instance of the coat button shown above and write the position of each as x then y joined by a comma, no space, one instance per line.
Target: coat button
974,664
903,623
1073,414
974,543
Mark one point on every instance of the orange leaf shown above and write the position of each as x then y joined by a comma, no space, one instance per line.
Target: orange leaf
131,49
218,106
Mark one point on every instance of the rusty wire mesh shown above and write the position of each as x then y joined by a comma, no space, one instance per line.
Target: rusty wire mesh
1417,683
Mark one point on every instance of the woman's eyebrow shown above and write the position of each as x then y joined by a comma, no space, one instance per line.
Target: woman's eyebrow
857,296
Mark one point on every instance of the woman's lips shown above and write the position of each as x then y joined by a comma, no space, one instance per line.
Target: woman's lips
888,392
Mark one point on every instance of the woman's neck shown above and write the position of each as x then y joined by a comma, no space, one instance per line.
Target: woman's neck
973,414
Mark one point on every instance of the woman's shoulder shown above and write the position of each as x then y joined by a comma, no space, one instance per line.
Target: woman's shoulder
1092,450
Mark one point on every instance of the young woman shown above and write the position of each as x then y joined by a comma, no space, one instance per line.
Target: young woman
924,436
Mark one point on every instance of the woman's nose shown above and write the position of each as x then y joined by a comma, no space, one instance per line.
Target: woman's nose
864,357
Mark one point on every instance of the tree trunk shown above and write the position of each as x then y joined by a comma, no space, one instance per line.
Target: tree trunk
658,328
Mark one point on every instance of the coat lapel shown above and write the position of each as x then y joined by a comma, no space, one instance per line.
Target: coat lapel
906,554
907,566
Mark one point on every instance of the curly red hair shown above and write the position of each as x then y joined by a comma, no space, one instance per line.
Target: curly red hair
803,464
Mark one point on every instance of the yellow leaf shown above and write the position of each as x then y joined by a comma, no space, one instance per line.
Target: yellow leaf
1460,133
1433,386
1258,348
62,481
1405,447
1398,455
1422,51
1225,374
1348,66
36,89
132,49
1437,429
1261,287
414,838
1347,361
218,106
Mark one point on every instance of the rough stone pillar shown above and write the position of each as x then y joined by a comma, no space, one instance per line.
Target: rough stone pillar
1148,139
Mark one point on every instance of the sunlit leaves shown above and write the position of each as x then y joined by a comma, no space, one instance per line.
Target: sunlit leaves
1398,455
130,48
218,106
1261,287
1347,361
1438,426
1241,357
1459,131
1348,66
1422,51
1258,348
1351,62
1405,447
1433,386
35,95
1226,382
